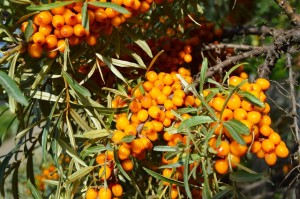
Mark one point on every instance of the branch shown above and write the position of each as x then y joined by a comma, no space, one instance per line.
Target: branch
293,101
245,30
9,53
289,11
233,46
234,59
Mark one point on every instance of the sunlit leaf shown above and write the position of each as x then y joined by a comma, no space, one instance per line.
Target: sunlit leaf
163,178
49,6
236,135
114,6
35,193
74,85
251,98
93,134
128,138
79,174
194,121
164,148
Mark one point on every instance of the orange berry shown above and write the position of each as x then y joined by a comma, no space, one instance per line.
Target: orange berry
177,138
167,122
223,149
128,3
58,10
104,193
268,146
58,21
144,6
51,53
270,158
260,153
135,106
24,26
151,76
142,115
265,119
146,101
168,136
221,166
244,75
66,31
119,2
189,100
218,103
167,173
177,100
137,146
38,38
187,58
44,18
123,152
154,112
45,29
110,13
35,51
148,86
130,130
174,193
233,160
237,149
105,172
159,84
100,159
127,165
70,18
161,98
154,92
227,114
234,102
91,40
275,138
167,79
79,30
91,16
263,83
247,105
116,21
122,122
117,190
158,126
100,15
57,34
235,80
265,130
254,117
91,194
256,146
281,151
267,108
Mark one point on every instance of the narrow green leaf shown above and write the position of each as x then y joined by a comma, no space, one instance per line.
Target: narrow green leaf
28,31
11,74
81,121
251,98
141,43
93,134
92,150
194,121
48,6
112,68
223,193
203,71
122,63
165,148
116,158
186,175
43,72
161,177
79,174
231,70
241,176
114,6
238,126
35,193
235,134
128,138
75,86
15,181
85,16
12,89
206,188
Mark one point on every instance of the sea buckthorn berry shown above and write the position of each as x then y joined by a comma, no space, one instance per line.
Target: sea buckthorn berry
177,101
159,84
151,76
66,31
35,51
117,136
247,105
167,122
137,146
221,166
263,83
146,101
223,149
91,40
110,155
168,136
110,13
238,149
135,106
142,115
104,193
38,38
152,136
235,80
123,152
168,79
117,190
116,21
179,93
147,144
154,92
70,18
91,16
244,75
79,30
51,53
154,112
168,104
58,10
91,194
260,153
189,100
148,86
58,21
266,109
275,138
105,172
270,158
45,29
122,122
167,173
188,58
44,18
100,15
119,2
256,146
161,98
265,130
100,159
177,138
149,127
281,151
130,130
174,193
77,6
176,86
265,119
268,146
157,125
144,6
127,165
233,160
128,3
234,102
218,103
227,114
254,117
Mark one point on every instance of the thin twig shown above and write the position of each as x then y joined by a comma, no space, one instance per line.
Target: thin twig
289,11
224,45
293,100
9,53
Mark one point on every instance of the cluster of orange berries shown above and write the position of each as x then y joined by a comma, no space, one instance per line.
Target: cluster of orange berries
51,28
48,173
113,190
262,140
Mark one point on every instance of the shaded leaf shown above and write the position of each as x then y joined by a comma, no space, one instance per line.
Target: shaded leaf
251,98
35,193
128,138
12,89
223,193
242,176
236,135
161,177
75,86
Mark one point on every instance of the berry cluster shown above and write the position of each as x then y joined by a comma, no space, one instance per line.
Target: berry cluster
51,28
48,173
